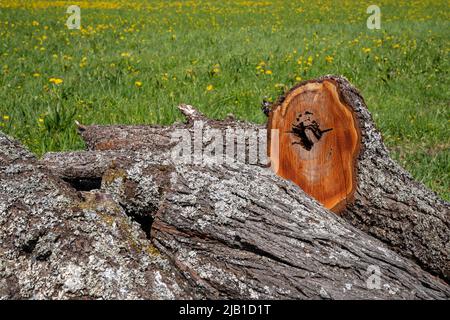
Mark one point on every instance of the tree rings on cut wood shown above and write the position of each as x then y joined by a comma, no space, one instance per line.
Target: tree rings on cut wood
318,142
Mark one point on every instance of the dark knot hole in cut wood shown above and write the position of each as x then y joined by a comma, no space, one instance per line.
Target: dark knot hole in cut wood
307,130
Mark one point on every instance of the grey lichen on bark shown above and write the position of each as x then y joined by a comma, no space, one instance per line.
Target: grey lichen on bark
57,243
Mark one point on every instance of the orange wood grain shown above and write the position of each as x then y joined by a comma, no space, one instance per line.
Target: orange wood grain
327,170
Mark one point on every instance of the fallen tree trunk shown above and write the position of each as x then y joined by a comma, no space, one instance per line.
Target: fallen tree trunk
232,231
159,139
384,199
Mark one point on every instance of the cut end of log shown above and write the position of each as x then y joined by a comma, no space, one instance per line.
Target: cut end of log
318,142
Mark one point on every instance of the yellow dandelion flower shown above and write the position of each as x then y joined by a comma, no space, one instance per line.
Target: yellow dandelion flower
329,59
298,78
268,72
35,23
396,46
56,81
138,84
210,87
125,54
40,120
36,74
83,62
366,50
6,117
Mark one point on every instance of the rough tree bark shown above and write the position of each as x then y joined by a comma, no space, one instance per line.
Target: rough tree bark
56,242
213,231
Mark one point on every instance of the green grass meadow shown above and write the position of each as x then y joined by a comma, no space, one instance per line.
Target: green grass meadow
133,62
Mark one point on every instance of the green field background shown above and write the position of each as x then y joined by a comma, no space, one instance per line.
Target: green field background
133,62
